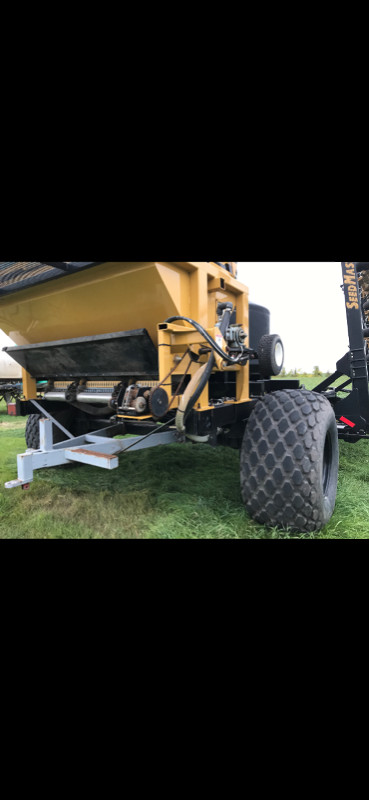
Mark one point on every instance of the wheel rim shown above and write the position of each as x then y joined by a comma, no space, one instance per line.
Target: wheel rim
279,354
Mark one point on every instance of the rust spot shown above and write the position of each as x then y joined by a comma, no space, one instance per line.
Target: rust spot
92,453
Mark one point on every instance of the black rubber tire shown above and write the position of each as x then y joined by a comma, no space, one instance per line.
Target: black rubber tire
267,355
289,461
259,324
33,432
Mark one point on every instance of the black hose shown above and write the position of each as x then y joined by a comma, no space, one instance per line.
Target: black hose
210,366
208,338
200,388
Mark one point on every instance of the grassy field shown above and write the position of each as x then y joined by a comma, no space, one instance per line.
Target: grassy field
177,492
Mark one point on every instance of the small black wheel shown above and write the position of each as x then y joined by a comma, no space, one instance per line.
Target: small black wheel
289,461
32,432
271,355
33,429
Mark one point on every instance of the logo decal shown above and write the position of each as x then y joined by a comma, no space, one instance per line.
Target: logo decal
351,283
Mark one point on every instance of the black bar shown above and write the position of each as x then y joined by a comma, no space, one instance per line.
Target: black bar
327,383
358,346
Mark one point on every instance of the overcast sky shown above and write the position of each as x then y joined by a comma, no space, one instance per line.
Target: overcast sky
307,308
4,340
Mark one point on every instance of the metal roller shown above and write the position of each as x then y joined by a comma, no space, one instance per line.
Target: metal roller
82,397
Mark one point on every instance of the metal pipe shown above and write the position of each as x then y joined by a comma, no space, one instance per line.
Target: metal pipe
87,397
82,397
54,396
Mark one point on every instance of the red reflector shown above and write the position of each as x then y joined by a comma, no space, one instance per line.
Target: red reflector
347,422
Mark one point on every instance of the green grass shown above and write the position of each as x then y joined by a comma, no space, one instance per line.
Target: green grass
310,383
174,492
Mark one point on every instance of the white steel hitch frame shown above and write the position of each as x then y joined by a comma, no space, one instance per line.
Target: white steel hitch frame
95,449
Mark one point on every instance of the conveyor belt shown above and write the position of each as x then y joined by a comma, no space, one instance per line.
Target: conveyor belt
18,275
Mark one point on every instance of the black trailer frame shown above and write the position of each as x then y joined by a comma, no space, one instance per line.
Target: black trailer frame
352,411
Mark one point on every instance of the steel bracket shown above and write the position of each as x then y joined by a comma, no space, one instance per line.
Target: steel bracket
95,449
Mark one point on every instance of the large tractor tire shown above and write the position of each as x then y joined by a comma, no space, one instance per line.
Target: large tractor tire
289,461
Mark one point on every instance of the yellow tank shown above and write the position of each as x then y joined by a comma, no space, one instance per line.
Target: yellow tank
113,296
89,319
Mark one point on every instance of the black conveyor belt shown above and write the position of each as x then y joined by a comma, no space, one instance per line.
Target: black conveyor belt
18,275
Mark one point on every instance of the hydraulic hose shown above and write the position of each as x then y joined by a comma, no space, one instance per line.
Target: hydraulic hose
188,401
213,344
203,375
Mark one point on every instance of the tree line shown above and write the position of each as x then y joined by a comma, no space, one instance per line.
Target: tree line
299,373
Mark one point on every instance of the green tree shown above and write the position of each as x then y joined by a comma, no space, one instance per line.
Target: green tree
316,372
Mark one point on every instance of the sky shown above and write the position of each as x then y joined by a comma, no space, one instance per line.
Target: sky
307,309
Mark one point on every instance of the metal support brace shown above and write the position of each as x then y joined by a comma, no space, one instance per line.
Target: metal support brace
96,449
353,410
50,417
46,435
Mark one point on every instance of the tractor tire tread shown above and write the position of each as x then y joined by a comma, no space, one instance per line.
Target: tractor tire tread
282,458
32,432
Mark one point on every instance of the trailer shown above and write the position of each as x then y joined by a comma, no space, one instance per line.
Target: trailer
173,352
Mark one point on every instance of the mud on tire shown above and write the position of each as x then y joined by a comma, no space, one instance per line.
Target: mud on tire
289,461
